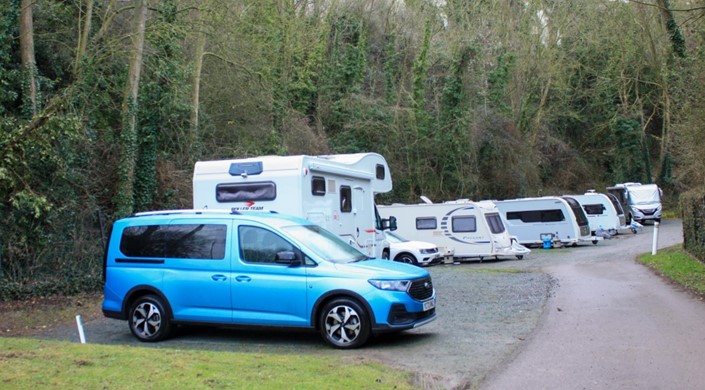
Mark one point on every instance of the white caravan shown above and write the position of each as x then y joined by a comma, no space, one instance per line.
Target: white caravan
469,229
334,191
641,202
558,219
601,213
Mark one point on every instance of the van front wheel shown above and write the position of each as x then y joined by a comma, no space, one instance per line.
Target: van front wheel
344,324
148,319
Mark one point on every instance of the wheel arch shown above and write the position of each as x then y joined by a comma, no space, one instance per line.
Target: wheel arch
334,294
140,291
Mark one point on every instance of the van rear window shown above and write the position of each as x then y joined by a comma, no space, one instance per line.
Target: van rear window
178,241
245,192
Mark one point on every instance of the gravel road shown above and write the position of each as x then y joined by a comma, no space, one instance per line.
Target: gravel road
486,313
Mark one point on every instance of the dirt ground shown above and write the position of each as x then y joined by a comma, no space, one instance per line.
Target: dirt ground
37,316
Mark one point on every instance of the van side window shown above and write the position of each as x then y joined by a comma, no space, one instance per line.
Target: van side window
464,224
426,223
245,192
495,223
318,186
178,241
345,199
258,245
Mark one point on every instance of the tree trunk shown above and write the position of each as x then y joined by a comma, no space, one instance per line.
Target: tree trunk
29,65
83,38
195,99
128,137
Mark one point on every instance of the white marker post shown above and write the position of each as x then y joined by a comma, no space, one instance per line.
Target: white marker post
81,335
655,242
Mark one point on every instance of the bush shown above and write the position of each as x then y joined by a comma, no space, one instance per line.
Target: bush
692,205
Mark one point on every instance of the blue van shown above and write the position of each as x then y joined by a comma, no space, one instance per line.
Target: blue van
189,267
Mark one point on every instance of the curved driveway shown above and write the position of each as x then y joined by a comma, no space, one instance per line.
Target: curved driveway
613,324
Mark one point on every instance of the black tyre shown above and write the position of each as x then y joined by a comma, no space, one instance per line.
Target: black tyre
406,258
520,257
344,324
385,254
148,319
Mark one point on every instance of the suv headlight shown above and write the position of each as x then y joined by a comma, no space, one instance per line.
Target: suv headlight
391,285
428,251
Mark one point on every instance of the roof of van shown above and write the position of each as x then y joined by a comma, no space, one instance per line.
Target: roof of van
272,217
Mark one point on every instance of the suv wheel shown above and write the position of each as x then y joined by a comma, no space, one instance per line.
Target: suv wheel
344,324
406,258
148,319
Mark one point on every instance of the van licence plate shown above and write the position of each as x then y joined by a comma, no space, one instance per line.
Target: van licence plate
430,304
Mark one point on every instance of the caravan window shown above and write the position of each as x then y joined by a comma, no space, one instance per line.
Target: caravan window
178,241
318,185
495,223
380,172
464,224
245,192
345,199
594,209
426,223
530,216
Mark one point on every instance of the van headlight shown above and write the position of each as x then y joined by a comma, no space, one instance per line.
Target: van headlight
390,285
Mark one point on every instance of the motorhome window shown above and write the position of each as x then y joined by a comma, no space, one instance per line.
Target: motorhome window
245,192
594,209
495,223
246,168
533,216
464,224
380,172
318,185
426,223
182,241
258,245
345,199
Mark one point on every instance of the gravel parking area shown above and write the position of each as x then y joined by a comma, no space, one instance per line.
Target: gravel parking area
486,311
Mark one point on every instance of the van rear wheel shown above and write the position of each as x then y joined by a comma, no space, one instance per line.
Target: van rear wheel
148,319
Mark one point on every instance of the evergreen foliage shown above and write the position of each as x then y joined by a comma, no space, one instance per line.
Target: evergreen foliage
481,100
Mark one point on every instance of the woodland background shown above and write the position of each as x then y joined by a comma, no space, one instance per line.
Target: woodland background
106,105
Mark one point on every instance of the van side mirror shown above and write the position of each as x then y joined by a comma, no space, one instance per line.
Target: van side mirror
389,223
287,257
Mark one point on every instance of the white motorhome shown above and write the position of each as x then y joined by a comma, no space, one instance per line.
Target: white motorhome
560,219
469,230
333,191
641,202
600,212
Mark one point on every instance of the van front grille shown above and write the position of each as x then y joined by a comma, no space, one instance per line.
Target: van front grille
421,289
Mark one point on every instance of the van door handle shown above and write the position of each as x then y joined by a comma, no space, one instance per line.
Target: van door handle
219,278
243,278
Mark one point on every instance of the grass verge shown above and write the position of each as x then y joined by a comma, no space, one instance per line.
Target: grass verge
679,267
31,363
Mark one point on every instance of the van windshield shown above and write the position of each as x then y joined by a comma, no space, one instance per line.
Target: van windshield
325,244
644,195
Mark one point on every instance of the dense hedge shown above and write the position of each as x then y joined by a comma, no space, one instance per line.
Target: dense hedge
692,205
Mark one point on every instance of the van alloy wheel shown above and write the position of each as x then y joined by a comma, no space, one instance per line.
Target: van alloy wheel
148,319
344,324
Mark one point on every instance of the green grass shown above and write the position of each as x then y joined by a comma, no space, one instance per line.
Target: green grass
678,266
31,363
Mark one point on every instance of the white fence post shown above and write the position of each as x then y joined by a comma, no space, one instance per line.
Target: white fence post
655,242
81,335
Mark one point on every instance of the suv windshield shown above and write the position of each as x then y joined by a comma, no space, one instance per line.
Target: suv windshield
325,244
394,238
